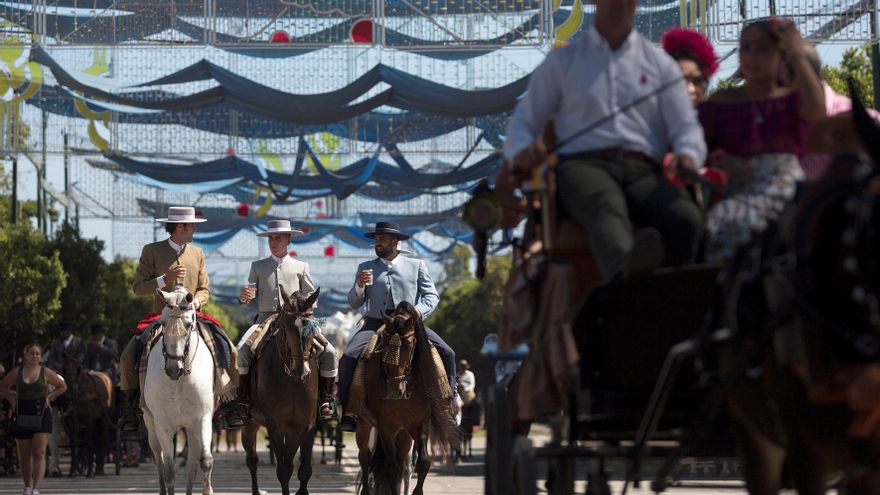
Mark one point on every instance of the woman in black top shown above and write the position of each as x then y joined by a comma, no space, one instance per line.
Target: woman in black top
32,396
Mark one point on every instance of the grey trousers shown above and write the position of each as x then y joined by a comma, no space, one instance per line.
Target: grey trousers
605,196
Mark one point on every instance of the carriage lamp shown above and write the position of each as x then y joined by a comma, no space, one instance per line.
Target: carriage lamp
483,213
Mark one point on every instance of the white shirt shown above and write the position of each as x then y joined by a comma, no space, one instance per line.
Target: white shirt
587,81
467,381
68,340
280,261
160,282
360,290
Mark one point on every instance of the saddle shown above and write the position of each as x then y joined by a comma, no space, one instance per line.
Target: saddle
313,344
389,351
223,353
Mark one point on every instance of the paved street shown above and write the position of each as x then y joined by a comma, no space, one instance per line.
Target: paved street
231,477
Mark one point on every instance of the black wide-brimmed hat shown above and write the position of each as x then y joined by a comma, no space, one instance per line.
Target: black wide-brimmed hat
389,228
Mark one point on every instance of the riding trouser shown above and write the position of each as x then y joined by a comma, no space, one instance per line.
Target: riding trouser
326,359
602,194
359,340
128,374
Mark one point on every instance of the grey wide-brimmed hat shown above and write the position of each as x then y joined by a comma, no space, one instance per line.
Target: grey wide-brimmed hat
181,214
279,227
389,228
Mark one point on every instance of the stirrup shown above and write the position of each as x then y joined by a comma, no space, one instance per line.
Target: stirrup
330,403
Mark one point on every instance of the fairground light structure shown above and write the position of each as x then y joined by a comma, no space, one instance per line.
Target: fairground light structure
331,113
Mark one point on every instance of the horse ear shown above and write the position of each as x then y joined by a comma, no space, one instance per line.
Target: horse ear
387,319
313,298
189,297
163,294
285,296
866,127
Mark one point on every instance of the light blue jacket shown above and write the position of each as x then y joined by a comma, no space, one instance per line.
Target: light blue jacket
406,280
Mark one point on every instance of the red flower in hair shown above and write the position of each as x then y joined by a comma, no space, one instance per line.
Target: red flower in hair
692,44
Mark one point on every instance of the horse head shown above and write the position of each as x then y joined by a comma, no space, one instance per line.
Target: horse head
178,318
838,246
399,344
294,319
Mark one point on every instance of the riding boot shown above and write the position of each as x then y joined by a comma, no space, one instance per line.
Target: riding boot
328,397
131,416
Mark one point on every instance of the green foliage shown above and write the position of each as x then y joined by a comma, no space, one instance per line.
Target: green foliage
231,318
468,312
82,301
31,282
856,64
123,309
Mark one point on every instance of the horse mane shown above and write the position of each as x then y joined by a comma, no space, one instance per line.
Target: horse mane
441,428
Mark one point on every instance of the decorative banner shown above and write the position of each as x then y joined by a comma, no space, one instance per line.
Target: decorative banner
20,79
571,25
266,160
99,124
329,158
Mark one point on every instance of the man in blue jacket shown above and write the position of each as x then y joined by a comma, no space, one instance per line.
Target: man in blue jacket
381,284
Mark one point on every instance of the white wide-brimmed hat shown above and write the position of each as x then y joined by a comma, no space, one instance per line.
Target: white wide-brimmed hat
279,227
181,214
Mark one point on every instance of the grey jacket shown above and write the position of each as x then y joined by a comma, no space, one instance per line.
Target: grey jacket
269,277
407,280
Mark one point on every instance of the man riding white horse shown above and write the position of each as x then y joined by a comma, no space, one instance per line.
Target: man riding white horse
614,172
381,284
163,265
267,277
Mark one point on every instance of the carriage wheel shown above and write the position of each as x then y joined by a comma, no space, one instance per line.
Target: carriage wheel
524,462
499,442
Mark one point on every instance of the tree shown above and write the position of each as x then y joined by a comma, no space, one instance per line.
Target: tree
468,312
124,309
31,282
82,301
856,64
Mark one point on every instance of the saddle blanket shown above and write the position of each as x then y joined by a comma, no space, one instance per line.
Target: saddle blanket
225,354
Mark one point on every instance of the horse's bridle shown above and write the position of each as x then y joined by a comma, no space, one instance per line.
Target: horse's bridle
284,355
184,369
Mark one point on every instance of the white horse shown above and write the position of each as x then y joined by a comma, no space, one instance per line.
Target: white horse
179,393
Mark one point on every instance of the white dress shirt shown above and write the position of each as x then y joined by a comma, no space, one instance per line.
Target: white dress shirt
587,81
280,260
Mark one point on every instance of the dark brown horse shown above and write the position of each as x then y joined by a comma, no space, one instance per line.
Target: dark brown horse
284,396
402,406
87,418
804,307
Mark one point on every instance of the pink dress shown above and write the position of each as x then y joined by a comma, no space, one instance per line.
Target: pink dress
771,136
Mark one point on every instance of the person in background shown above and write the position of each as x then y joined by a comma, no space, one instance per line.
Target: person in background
66,350
696,58
102,353
32,397
763,124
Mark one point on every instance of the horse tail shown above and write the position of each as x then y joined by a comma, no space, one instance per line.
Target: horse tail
440,427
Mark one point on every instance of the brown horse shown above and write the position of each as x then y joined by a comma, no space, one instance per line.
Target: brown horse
403,407
804,307
284,396
87,417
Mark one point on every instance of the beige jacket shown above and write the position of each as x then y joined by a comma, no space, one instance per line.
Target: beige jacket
157,258
292,274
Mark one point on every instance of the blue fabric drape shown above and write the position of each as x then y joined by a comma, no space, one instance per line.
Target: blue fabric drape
406,92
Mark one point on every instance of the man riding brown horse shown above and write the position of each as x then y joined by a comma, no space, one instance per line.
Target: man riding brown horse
381,284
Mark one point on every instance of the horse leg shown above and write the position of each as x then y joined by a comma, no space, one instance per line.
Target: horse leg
249,442
283,458
423,464
305,461
364,455
199,456
162,445
762,460
70,424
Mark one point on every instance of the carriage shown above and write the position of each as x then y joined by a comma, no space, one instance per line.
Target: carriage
643,367
620,361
